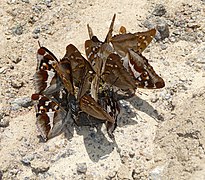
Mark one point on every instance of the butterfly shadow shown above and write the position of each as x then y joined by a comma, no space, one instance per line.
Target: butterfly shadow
96,143
144,106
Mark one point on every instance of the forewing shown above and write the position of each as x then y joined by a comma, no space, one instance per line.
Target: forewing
46,79
91,107
82,71
116,74
137,41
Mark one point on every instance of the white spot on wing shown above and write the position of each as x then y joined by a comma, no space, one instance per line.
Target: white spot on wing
136,74
51,74
51,117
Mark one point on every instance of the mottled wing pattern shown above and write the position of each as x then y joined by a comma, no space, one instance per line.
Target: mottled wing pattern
50,116
91,107
143,72
136,41
111,106
116,74
82,71
46,79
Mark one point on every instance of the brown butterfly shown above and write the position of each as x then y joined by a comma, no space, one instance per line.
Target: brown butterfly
46,79
107,63
51,116
88,104
82,71
130,46
52,75
116,74
83,74
53,84
105,111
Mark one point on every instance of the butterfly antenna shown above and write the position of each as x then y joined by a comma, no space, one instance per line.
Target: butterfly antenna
109,34
90,31
39,44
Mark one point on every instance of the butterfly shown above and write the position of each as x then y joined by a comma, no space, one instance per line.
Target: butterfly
52,75
83,75
53,88
51,115
82,70
130,47
104,112
107,63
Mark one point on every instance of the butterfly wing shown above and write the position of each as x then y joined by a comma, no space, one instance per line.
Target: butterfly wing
116,74
143,72
91,107
137,41
51,117
82,71
46,79
111,105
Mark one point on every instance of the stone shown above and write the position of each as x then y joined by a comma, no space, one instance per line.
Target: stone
22,102
161,26
37,30
18,30
17,60
27,160
4,122
156,173
17,83
159,10
163,29
81,168
39,167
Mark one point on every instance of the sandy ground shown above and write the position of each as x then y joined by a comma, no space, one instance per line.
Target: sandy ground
161,133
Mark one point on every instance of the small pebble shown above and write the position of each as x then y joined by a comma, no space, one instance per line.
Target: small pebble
156,173
81,168
163,29
17,83
163,46
131,154
177,32
22,102
172,39
39,167
37,30
18,30
27,160
159,10
4,122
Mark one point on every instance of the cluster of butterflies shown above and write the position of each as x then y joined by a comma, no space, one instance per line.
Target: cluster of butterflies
89,90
